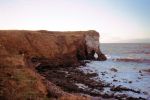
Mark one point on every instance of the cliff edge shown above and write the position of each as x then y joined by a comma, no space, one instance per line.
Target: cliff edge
22,51
60,47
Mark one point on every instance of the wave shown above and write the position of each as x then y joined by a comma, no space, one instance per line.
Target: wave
108,56
132,60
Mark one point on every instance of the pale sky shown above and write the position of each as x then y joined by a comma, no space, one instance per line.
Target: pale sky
115,20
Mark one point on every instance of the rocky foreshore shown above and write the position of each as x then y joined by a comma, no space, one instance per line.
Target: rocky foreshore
74,80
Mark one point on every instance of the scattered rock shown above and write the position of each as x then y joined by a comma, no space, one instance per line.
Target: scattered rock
103,73
113,69
107,95
140,71
141,74
122,88
122,96
145,93
130,81
115,80
92,74
139,78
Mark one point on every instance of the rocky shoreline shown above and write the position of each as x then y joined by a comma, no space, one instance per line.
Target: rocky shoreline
73,80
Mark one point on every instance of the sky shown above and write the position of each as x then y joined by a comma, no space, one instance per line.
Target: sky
115,20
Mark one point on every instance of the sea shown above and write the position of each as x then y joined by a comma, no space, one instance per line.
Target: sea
127,65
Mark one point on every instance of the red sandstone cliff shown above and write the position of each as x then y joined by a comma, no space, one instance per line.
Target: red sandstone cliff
17,48
59,47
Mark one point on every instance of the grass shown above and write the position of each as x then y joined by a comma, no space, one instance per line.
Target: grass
19,82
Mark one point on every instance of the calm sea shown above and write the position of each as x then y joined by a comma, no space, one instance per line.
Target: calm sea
131,53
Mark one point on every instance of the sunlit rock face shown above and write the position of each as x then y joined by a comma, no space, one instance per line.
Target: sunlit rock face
61,48
22,51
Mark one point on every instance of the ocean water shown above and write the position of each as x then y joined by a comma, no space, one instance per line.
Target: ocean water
137,51
130,62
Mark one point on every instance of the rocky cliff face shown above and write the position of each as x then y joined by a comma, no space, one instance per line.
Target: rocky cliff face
21,51
61,48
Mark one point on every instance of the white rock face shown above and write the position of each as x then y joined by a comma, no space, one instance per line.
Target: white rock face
92,43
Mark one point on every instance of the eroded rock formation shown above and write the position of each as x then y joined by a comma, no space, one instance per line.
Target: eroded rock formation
61,48
22,50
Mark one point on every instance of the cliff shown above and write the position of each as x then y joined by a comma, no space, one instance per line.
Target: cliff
21,51
65,47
